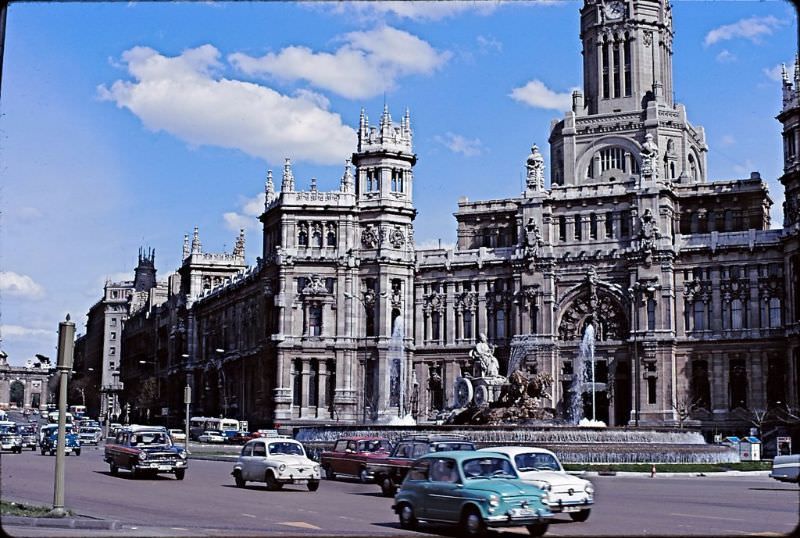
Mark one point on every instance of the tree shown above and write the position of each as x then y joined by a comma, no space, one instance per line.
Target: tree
756,416
684,407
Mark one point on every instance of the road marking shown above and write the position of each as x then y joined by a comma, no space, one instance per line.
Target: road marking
711,517
179,529
248,515
299,524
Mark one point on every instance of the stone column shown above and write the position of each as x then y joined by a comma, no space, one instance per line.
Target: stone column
622,68
449,315
483,324
305,375
322,391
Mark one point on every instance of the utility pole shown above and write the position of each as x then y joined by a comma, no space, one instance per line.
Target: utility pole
66,344
187,399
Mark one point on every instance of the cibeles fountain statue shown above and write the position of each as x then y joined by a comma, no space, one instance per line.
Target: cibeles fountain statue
487,397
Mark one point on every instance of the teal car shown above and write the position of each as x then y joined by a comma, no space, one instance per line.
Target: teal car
474,490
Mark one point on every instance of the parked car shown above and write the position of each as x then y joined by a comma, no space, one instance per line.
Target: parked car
28,435
212,436
48,440
350,456
10,439
568,494
474,490
177,435
786,468
90,435
275,461
145,450
389,471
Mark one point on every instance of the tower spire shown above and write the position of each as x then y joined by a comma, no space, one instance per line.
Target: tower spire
197,247
238,249
186,250
269,189
347,179
287,182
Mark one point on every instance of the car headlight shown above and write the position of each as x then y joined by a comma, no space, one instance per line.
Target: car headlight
494,500
545,498
143,456
316,468
589,489
281,468
182,454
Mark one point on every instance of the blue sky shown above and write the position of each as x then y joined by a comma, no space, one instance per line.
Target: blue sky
125,125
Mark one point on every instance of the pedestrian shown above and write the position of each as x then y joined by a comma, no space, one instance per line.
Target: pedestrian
653,471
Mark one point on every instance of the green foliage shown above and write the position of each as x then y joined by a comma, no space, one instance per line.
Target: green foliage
8,508
670,467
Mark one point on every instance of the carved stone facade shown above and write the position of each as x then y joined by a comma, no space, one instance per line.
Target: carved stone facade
689,290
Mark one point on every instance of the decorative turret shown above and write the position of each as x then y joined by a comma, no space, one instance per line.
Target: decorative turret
346,184
145,273
386,135
186,250
238,249
197,246
287,182
269,190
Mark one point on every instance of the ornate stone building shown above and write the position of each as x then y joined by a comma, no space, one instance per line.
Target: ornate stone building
693,298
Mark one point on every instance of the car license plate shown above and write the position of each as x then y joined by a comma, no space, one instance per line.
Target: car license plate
67,449
303,481
522,512
571,509
164,468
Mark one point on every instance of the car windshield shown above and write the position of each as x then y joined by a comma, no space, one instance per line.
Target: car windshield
488,468
151,439
441,447
536,461
213,432
374,446
291,449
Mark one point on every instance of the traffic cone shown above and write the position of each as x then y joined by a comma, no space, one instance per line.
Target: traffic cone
653,471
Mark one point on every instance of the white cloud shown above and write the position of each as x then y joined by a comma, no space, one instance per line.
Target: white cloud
752,29
247,217
489,44
774,73
460,144
20,285
537,95
184,96
727,140
368,64
417,10
25,333
726,56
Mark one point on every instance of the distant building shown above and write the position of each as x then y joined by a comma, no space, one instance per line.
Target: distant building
692,299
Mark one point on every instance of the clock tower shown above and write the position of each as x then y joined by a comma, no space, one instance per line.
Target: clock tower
627,54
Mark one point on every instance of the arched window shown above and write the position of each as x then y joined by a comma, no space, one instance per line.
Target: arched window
302,237
562,228
313,384
693,169
699,316
314,320
316,236
593,226
736,314
330,238
774,312
468,325
500,324
435,326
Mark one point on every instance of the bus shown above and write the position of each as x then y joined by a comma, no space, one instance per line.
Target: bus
228,426
79,411
52,417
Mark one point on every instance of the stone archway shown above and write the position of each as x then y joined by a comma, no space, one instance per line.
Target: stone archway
602,308
17,394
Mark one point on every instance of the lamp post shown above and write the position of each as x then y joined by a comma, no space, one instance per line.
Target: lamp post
634,295
66,343
187,399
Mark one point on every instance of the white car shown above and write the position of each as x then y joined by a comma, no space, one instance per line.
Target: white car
568,493
212,436
276,461
177,435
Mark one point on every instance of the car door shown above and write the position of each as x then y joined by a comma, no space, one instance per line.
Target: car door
415,487
349,464
244,457
443,491
258,462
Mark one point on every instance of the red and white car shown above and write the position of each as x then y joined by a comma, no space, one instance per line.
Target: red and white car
350,456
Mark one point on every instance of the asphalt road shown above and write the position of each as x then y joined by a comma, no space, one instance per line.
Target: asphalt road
207,502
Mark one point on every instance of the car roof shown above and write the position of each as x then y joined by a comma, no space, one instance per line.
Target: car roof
515,450
461,455
438,438
135,428
362,438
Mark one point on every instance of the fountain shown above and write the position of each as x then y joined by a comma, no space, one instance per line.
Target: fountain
580,385
397,376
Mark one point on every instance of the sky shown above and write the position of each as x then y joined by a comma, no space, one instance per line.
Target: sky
124,125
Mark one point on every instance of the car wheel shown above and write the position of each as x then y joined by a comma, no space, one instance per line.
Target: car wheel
33,448
537,529
387,486
52,452
272,483
313,485
364,476
237,477
180,473
407,518
43,452
113,468
581,516
472,523
329,474
78,452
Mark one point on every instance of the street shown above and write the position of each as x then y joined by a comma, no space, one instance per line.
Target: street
207,501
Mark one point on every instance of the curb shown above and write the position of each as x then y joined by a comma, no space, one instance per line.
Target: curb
221,457
64,523
669,474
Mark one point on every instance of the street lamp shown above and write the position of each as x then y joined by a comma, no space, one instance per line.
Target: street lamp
221,384
633,292
187,400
